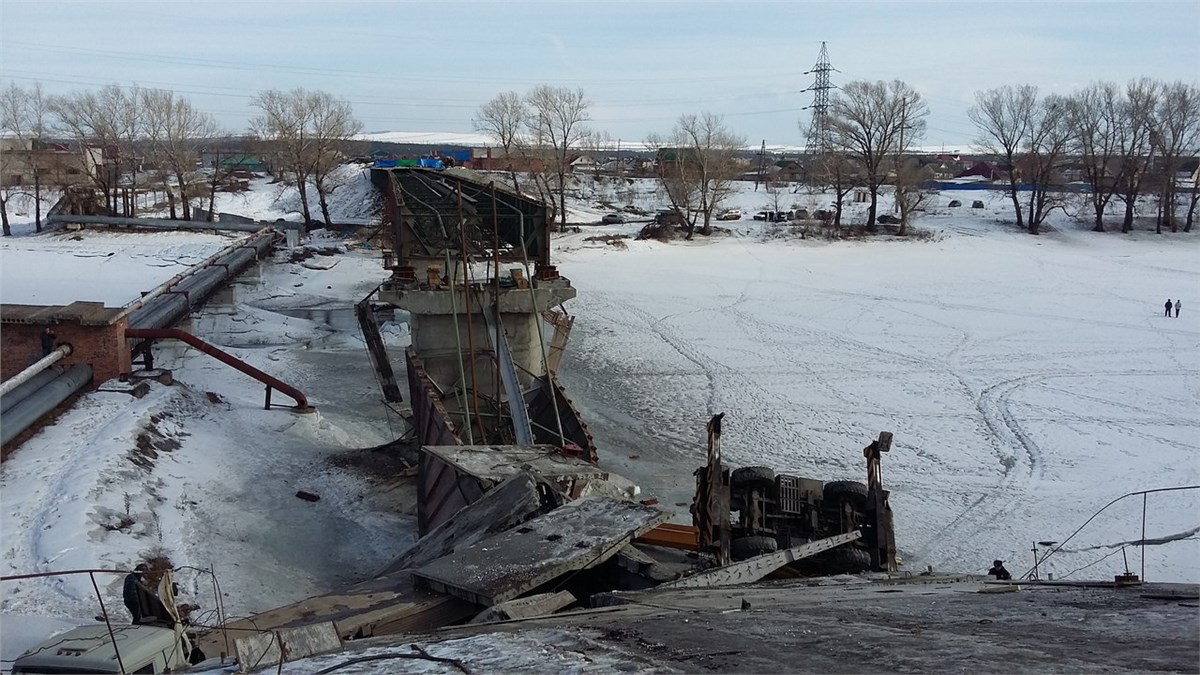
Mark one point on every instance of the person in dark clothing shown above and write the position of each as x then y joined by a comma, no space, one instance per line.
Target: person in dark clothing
999,572
1168,306
48,339
1178,304
132,590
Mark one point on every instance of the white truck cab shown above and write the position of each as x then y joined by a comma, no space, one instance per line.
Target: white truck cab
89,649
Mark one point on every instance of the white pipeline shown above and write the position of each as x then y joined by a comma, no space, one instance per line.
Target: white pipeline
47,361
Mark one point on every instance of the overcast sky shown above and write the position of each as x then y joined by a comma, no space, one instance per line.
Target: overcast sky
427,66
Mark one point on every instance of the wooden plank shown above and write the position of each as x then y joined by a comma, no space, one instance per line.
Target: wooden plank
576,536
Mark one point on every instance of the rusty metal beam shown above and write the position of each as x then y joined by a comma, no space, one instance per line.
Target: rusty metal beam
671,535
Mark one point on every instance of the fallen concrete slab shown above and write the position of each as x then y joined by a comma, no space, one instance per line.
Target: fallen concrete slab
501,508
578,535
451,477
524,608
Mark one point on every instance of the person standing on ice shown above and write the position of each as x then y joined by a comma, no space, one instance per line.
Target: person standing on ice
1178,304
1168,306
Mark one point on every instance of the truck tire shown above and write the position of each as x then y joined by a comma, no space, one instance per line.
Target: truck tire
845,560
846,491
752,476
748,547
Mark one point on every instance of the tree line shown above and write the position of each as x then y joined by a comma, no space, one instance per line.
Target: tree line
1128,141
153,139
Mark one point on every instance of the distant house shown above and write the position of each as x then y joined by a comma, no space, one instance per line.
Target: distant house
982,169
582,164
57,163
244,162
786,170
495,159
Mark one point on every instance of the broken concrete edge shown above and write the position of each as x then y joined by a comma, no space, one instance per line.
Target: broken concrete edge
528,607
501,508
269,648
576,531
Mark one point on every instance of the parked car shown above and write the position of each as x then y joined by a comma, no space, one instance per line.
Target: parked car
613,219
775,216
730,214
668,217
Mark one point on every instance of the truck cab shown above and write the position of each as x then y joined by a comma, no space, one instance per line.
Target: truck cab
89,649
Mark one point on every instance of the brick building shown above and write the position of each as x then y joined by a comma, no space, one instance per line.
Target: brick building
96,334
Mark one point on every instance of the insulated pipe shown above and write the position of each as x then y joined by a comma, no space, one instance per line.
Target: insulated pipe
261,239
169,304
156,223
23,390
222,356
45,362
24,414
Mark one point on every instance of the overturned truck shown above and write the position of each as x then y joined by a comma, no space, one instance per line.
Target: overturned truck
752,510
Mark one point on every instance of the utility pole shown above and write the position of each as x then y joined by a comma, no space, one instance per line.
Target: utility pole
762,155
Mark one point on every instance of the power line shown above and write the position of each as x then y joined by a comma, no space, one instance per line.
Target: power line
648,78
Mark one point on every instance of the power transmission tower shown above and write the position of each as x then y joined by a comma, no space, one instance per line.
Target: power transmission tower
817,140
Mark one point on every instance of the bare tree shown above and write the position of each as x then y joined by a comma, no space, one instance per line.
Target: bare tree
1094,118
174,128
110,120
1041,159
306,131
503,118
8,164
333,123
698,166
675,179
874,122
1003,117
25,115
1134,137
1176,131
840,174
911,195
557,122
13,118
284,126
220,171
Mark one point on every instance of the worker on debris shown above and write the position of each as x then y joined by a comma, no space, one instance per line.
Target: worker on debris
999,572
132,592
48,339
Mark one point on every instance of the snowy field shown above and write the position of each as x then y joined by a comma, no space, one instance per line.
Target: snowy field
58,268
1028,381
